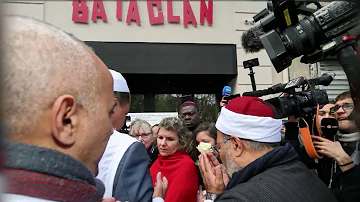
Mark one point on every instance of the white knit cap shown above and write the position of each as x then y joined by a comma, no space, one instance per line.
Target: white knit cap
120,84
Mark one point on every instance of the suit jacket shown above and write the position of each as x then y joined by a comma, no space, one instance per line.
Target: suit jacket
124,169
276,176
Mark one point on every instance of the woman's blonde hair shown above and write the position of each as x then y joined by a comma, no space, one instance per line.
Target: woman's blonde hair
140,123
174,124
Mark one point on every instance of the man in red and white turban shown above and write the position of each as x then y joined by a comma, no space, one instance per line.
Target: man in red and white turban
248,140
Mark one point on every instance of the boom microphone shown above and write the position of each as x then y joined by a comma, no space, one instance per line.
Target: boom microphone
250,40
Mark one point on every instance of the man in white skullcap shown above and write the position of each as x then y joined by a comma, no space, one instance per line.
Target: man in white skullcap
248,142
123,167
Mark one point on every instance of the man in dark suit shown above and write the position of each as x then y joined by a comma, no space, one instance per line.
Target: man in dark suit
123,167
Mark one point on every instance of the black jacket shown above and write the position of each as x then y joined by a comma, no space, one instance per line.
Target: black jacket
153,153
345,185
277,176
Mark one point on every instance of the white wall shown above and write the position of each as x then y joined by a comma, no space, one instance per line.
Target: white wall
228,25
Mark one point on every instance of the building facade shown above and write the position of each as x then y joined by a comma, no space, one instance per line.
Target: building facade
186,47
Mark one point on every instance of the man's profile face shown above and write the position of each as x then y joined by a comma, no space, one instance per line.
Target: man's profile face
346,106
119,116
325,112
190,116
223,145
96,127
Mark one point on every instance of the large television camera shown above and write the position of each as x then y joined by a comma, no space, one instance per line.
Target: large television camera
314,37
298,104
332,30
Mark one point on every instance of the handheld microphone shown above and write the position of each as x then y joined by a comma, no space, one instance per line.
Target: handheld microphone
250,39
227,91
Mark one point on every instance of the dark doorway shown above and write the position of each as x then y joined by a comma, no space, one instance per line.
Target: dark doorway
170,68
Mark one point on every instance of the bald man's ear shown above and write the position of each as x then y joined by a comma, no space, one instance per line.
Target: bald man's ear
65,117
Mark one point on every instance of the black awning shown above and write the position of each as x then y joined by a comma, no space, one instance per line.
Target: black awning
167,58
176,84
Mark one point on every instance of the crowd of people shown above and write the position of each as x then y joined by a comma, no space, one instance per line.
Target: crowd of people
66,146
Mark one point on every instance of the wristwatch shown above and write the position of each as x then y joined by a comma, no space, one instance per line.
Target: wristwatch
211,196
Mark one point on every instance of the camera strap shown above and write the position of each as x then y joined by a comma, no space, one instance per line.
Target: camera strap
306,136
316,127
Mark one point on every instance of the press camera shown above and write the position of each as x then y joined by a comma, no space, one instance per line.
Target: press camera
314,37
297,103
332,30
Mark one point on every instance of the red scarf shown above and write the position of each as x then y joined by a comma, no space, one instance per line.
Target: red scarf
48,187
180,171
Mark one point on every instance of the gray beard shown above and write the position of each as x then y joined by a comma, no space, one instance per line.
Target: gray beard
231,166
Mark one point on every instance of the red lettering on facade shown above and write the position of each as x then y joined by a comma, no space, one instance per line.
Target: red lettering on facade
133,13
119,8
206,12
170,13
189,16
80,12
98,11
152,19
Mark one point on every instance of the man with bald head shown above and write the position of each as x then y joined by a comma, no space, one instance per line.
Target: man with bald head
57,91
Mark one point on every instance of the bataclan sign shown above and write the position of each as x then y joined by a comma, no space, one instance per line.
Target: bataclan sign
80,12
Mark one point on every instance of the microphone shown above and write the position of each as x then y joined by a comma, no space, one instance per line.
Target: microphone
227,91
250,39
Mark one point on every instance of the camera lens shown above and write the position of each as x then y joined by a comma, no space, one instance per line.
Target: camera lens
301,38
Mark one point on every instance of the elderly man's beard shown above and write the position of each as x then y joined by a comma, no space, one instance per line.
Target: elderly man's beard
231,166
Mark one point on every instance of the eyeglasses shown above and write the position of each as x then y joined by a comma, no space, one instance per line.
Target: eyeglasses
143,135
345,107
217,146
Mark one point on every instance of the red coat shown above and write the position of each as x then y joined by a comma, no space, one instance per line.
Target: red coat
180,171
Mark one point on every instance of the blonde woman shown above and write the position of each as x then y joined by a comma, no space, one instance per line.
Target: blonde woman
142,131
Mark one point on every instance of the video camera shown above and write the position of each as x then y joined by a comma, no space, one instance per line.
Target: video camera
299,104
331,30
315,37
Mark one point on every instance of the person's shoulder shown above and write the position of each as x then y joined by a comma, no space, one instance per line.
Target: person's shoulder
121,139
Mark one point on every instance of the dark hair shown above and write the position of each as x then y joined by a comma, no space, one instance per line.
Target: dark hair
342,96
123,98
154,125
206,126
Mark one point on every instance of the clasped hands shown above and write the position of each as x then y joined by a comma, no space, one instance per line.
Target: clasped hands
160,188
213,174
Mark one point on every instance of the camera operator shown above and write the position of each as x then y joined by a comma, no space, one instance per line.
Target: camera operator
338,171
345,171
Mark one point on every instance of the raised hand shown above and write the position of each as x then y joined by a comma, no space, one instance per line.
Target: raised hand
161,186
212,173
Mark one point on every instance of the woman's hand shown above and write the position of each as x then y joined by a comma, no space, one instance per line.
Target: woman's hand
212,173
333,150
